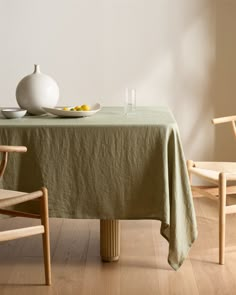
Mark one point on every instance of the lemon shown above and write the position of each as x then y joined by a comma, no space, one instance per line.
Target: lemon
78,108
85,107
66,109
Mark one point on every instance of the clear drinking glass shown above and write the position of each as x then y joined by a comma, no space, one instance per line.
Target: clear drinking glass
130,101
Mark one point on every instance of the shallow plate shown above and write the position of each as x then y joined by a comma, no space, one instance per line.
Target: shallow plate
77,114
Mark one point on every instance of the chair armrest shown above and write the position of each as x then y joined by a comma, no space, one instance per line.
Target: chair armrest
11,148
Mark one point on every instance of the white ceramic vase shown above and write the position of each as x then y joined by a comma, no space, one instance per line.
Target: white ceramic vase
36,91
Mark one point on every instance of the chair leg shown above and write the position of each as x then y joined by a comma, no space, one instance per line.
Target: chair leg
222,204
46,240
189,165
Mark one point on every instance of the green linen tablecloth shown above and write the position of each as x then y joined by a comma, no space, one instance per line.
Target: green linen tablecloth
108,166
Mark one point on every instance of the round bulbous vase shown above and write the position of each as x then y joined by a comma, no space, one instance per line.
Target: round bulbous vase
36,91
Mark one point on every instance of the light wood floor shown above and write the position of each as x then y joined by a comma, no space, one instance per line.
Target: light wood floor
142,269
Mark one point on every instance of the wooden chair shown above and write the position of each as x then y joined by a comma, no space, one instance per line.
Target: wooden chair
223,176
9,198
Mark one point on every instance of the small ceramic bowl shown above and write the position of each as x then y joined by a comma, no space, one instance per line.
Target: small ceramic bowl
13,113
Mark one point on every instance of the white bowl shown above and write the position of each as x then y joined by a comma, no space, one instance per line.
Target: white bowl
13,113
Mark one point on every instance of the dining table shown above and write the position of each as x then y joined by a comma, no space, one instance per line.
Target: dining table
109,166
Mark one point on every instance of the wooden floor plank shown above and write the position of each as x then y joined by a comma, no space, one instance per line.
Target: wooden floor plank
172,282
138,273
69,259
212,278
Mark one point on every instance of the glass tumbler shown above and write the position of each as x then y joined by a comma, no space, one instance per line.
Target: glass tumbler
130,101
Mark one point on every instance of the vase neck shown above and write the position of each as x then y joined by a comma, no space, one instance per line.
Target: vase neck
36,69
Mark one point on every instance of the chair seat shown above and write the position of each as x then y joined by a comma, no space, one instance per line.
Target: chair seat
211,175
7,194
211,170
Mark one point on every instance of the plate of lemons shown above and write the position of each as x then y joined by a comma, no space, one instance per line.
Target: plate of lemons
77,111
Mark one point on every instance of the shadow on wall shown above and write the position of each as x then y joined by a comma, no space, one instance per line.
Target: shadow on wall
225,78
217,97
194,83
170,61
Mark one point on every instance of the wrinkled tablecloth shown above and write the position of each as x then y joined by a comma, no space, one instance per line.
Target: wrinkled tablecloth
107,166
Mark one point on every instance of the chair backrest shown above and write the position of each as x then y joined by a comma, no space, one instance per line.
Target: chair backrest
5,149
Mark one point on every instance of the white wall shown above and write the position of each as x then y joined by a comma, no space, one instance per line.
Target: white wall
166,49
224,94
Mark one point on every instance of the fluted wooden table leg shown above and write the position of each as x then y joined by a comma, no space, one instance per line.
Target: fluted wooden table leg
110,240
